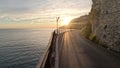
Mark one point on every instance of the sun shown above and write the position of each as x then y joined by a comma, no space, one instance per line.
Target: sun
66,21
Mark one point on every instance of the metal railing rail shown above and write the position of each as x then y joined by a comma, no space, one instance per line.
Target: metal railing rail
45,61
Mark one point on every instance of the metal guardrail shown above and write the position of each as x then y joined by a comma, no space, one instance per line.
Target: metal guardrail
47,60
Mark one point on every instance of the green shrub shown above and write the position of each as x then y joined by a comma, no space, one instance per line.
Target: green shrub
93,38
86,31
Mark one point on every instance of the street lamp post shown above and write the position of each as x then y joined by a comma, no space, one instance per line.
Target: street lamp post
57,21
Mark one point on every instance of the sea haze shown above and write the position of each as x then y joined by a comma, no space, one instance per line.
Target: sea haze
22,48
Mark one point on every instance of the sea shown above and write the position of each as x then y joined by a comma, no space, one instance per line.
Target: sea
22,48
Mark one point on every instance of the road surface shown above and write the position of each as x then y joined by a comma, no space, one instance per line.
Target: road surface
77,52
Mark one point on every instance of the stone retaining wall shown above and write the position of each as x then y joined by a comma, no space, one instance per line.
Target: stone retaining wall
105,20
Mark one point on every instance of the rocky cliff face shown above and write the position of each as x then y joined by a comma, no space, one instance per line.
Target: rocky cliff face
105,20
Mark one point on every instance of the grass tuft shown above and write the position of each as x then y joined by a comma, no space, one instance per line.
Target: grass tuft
93,38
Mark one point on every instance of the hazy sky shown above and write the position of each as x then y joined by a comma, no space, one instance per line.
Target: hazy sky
39,13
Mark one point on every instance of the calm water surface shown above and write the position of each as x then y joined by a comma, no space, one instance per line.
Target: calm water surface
22,48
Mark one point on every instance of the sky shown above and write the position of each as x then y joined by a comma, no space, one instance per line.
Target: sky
40,13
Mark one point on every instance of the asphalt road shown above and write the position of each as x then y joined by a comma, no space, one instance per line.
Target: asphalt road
77,52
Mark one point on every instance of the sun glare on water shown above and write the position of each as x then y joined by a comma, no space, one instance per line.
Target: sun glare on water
66,21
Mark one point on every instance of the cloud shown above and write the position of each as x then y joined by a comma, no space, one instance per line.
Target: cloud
22,6
41,11
18,6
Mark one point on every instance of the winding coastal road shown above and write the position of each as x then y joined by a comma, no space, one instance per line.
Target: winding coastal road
77,52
